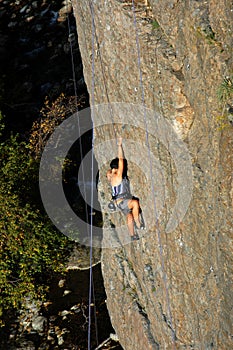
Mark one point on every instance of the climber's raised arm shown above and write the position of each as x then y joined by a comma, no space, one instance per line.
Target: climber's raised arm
121,157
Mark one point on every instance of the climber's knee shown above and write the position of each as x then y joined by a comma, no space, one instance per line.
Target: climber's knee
133,204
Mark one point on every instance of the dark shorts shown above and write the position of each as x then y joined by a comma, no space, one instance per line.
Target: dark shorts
123,206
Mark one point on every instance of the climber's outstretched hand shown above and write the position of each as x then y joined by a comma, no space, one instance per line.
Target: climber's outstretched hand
119,141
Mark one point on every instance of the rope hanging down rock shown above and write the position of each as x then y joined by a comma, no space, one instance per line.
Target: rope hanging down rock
92,170
89,226
94,36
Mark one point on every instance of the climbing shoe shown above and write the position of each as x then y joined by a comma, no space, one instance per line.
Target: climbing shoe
135,238
141,227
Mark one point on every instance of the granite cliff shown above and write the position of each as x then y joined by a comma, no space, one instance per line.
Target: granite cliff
172,288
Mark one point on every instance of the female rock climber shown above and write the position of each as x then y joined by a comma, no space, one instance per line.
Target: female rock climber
121,192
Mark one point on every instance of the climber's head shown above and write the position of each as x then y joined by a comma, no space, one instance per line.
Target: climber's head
114,163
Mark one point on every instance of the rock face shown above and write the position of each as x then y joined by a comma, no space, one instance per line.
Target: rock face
171,289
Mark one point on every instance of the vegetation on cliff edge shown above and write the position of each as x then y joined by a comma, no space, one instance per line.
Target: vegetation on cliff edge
31,250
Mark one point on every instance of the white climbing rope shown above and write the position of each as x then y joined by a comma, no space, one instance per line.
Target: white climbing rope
89,226
92,171
94,36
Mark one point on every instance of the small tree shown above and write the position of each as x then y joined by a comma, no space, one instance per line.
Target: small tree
52,114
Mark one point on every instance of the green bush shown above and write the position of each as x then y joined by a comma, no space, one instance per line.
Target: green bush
225,90
155,24
30,247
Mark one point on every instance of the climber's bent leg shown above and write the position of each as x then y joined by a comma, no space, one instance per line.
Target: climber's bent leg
133,205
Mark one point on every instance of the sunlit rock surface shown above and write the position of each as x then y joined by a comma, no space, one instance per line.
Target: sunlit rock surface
169,290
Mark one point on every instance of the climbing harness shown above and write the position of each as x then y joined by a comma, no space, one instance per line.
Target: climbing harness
122,190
